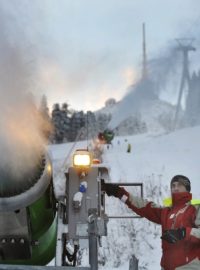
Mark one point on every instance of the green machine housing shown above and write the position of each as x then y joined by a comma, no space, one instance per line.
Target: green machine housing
28,216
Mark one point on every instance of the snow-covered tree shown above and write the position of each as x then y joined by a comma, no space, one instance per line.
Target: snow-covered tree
58,134
45,122
110,102
103,119
61,119
90,129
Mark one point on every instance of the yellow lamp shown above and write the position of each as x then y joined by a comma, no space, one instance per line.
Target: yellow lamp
82,159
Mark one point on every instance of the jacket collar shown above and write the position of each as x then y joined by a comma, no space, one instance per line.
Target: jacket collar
181,198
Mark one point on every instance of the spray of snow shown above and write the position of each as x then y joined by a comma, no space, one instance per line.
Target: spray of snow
21,125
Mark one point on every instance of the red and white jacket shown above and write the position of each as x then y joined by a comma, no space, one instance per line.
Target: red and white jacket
181,214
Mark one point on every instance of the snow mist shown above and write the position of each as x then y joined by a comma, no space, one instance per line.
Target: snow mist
21,136
161,72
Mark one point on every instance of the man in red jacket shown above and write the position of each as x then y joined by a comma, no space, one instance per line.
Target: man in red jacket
180,223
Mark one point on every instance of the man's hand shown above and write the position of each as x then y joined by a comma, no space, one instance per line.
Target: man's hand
110,189
172,236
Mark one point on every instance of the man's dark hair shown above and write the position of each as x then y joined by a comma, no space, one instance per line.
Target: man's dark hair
183,180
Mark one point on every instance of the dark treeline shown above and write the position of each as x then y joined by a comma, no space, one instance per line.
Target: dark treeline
69,125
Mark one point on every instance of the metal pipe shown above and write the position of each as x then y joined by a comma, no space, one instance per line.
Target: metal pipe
93,250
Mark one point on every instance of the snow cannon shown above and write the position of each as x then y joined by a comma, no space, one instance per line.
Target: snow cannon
27,215
106,136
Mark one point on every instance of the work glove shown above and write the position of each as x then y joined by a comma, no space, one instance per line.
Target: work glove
172,236
110,189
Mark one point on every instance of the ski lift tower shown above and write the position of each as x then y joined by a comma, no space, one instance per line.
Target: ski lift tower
144,60
184,45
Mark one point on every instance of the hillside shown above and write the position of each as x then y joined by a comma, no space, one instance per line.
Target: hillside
152,116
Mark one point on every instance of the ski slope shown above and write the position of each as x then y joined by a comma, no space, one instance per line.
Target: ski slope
161,155
153,160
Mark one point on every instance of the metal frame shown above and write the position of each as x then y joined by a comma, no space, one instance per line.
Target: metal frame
131,185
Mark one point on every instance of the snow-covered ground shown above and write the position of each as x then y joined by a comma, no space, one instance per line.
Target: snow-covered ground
153,160
162,156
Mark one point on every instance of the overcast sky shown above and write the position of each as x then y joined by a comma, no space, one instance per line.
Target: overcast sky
86,51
